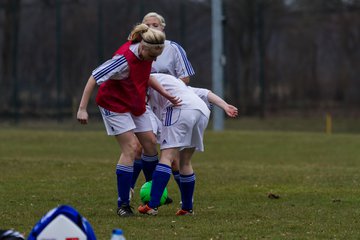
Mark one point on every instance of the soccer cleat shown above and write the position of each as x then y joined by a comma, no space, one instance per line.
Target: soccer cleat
125,211
182,212
168,201
145,209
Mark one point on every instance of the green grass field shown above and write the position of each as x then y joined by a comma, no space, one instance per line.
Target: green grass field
316,176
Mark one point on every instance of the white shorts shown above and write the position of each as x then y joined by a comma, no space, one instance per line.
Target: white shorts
155,122
183,129
118,123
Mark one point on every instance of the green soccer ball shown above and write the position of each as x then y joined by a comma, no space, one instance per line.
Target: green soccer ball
145,191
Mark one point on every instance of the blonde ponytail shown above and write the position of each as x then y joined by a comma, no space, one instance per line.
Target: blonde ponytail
147,35
136,34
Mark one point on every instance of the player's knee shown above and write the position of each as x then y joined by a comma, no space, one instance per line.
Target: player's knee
150,149
151,142
138,151
130,149
175,165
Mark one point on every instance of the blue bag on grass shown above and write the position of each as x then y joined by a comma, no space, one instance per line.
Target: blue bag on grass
62,223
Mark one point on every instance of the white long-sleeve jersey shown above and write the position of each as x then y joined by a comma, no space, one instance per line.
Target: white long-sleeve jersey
173,61
178,88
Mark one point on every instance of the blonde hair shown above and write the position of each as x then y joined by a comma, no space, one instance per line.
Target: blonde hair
156,15
143,33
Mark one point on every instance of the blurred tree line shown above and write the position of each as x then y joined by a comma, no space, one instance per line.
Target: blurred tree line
281,55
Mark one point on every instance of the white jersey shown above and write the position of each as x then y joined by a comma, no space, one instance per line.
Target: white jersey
116,68
173,61
175,87
203,94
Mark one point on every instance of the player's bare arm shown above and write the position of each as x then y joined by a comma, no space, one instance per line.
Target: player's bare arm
159,88
82,114
230,110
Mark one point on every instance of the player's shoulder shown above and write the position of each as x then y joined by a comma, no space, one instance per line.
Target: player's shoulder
200,91
174,45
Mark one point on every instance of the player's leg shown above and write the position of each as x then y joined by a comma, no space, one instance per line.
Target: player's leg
124,171
161,175
187,181
145,133
150,155
160,179
175,169
176,174
121,125
137,165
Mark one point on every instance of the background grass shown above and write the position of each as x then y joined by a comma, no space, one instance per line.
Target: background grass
316,176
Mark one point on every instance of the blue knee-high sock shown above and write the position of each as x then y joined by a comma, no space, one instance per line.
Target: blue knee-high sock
176,175
137,170
124,175
187,186
160,179
148,166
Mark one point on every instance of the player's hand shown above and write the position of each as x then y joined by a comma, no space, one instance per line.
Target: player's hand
231,111
176,101
82,116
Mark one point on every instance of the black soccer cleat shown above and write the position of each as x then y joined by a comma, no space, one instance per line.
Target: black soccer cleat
125,211
168,201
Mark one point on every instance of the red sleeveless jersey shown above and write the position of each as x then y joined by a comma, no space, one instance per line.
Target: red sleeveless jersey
126,95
